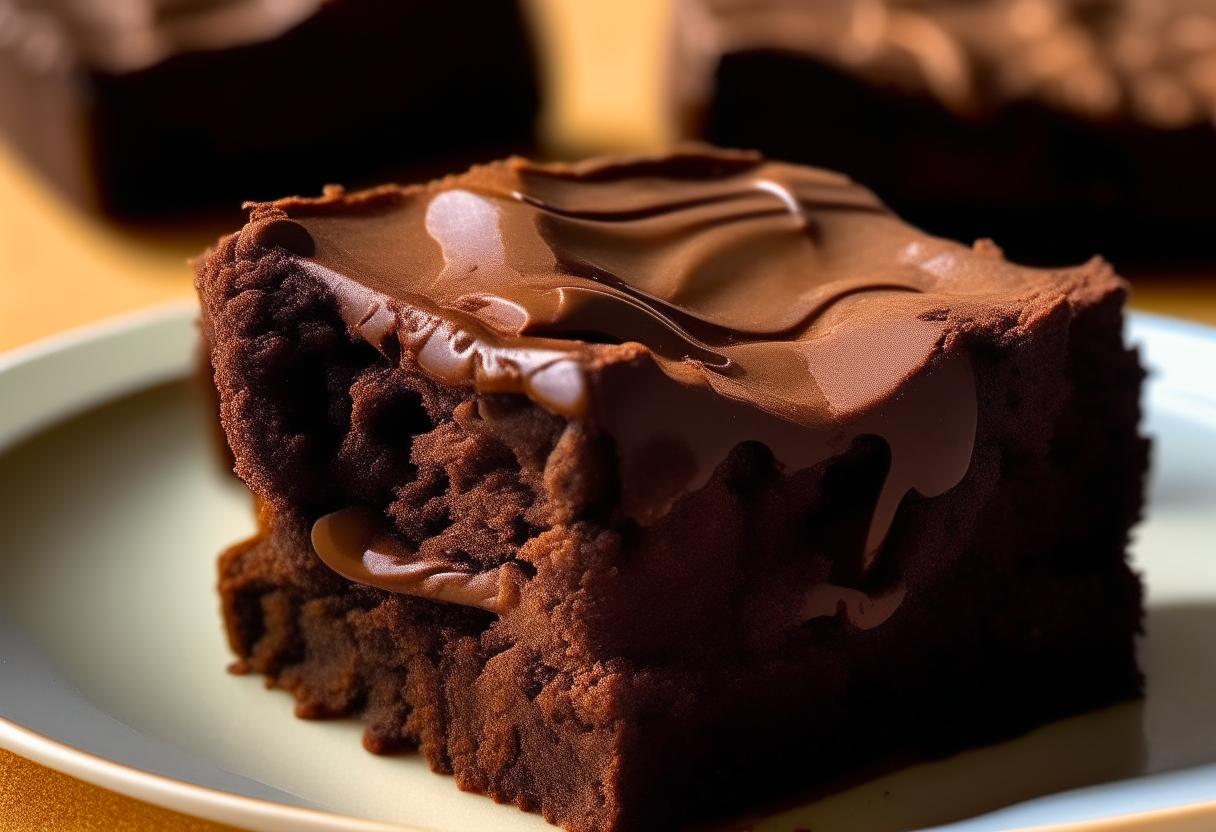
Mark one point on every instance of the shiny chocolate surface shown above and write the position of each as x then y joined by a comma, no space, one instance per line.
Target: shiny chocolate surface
681,304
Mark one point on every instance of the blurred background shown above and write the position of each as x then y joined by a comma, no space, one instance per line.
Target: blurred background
132,130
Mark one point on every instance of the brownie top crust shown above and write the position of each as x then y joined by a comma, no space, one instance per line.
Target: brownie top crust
681,305
131,35
1152,62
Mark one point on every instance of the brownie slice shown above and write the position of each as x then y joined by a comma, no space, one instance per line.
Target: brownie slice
642,491
1057,127
154,106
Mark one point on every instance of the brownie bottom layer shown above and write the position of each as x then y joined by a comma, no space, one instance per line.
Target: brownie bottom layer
995,652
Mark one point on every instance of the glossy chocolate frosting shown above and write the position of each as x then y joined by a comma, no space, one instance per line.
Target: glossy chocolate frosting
682,305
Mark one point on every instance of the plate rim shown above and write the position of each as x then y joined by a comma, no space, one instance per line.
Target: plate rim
150,326
179,796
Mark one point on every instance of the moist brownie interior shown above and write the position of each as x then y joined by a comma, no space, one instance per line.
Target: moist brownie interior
643,491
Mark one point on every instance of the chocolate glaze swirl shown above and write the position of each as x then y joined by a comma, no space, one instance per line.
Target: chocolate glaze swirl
686,303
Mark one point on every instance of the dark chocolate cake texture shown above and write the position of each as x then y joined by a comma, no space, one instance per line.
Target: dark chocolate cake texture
643,490
1058,127
148,107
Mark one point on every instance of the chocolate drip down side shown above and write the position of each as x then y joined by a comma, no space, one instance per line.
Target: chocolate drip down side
357,544
680,315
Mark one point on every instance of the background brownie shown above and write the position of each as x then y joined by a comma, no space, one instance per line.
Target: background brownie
600,617
1060,128
155,106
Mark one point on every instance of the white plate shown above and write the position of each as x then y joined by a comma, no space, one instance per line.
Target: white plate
112,653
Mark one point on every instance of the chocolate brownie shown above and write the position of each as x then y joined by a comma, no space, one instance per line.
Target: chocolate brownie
644,490
156,106
1057,127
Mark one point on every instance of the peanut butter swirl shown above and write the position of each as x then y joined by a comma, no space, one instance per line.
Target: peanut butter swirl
681,304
